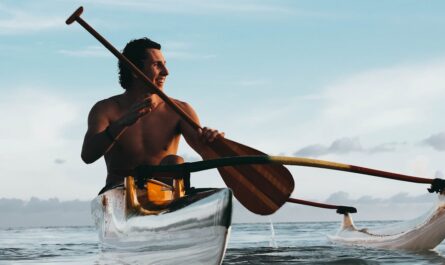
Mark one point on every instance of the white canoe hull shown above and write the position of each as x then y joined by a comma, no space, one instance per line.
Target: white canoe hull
196,232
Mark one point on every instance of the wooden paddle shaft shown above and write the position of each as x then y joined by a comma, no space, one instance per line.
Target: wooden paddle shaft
152,87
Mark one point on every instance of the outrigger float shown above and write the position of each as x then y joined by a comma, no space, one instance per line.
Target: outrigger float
420,234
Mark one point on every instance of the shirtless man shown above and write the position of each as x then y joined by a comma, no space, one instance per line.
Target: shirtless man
136,127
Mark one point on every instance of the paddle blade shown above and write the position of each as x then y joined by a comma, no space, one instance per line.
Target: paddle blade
262,189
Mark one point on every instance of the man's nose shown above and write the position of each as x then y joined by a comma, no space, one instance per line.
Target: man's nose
164,70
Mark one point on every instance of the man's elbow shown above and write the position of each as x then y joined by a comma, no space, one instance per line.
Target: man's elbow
87,159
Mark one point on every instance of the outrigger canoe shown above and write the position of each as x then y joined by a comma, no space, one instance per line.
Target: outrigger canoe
194,228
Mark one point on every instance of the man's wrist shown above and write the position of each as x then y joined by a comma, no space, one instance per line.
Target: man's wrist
109,134
114,130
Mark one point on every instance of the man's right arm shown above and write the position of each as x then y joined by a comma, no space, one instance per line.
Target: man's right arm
100,136
103,134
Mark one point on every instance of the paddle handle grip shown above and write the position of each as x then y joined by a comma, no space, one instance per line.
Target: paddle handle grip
151,87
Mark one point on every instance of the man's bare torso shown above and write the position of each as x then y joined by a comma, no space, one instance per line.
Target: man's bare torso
135,128
151,138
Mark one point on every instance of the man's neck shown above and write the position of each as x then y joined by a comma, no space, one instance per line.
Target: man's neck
136,94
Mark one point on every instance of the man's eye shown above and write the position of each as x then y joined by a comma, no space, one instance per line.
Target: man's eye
158,64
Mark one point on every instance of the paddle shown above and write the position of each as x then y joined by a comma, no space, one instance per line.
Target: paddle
437,184
262,189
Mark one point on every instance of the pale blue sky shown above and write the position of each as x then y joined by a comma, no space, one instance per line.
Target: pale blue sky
357,82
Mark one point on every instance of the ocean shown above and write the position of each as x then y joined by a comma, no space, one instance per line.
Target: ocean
261,243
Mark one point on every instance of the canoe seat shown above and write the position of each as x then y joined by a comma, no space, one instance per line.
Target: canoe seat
159,193
154,199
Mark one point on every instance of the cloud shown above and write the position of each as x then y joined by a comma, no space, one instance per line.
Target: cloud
340,197
312,150
7,205
37,212
382,102
382,105
47,117
176,51
16,21
179,50
436,141
389,106
347,145
186,55
343,198
203,7
39,131
59,161
251,82
387,147
90,51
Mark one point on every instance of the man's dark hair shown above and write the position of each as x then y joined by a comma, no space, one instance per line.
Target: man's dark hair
135,51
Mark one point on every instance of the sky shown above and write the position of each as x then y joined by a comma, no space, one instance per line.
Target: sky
356,82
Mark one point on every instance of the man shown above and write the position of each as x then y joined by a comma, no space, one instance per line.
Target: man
136,127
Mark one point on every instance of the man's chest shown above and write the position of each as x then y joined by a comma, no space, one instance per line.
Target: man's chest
152,133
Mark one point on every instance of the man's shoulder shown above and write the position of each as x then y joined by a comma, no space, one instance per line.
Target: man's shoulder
186,107
107,104
181,104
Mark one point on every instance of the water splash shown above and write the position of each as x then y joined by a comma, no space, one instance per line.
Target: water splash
272,242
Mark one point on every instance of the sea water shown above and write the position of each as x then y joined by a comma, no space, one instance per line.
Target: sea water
263,243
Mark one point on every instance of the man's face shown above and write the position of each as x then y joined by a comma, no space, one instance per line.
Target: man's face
154,67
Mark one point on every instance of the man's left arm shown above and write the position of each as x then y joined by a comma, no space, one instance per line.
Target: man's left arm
198,139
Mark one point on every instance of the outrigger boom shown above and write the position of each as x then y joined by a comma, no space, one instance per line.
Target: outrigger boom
147,171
